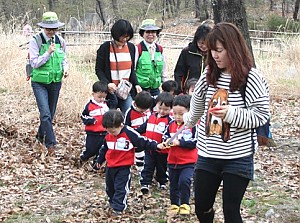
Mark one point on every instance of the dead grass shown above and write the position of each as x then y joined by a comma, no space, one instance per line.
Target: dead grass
281,71
56,191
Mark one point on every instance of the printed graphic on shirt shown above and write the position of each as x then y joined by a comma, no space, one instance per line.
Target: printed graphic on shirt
121,144
99,111
187,134
161,127
215,125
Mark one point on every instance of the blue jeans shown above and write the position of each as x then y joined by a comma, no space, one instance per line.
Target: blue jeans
124,104
46,96
154,92
243,167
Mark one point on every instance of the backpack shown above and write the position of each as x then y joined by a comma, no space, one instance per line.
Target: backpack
142,47
264,135
40,39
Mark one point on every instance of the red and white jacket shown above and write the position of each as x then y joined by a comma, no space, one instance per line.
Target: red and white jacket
186,153
155,127
134,119
92,116
119,150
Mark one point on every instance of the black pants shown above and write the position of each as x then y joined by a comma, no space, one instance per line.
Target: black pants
117,181
154,161
206,187
93,144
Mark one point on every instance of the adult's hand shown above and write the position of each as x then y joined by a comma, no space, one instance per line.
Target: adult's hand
220,112
138,88
112,88
51,48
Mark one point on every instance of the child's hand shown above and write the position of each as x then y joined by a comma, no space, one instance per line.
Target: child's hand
175,142
161,146
98,165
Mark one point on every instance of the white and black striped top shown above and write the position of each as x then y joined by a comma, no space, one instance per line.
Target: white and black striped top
241,118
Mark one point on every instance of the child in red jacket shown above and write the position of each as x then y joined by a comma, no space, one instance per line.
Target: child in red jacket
91,116
118,150
154,129
182,156
136,116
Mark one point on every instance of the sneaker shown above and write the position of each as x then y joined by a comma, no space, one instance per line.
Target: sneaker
79,162
162,186
116,213
145,189
184,209
174,209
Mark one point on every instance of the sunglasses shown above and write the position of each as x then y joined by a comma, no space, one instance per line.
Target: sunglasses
49,30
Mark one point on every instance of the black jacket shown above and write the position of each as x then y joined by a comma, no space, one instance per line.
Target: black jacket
189,65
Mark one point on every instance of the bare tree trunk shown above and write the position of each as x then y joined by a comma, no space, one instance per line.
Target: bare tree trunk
271,5
116,10
283,8
100,9
164,10
295,14
178,5
186,3
233,11
197,8
51,5
205,9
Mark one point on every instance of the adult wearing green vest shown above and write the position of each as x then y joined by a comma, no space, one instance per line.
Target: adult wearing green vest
47,53
150,59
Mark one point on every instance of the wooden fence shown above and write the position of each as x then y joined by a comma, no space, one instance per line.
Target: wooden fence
262,41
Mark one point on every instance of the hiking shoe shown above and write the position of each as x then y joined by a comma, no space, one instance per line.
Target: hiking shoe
184,209
173,209
145,189
51,151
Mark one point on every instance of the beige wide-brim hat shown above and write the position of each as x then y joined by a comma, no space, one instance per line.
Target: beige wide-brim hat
50,20
149,24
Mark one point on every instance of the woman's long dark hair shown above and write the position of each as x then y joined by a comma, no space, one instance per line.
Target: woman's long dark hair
239,56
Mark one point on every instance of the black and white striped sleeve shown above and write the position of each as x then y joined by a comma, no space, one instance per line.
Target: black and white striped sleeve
197,105
257,110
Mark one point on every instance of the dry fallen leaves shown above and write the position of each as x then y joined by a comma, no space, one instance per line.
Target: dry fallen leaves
39,188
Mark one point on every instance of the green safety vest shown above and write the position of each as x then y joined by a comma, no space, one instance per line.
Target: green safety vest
148,72
52,70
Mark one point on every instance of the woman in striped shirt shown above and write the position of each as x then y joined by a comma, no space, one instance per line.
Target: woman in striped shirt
115,61
226,142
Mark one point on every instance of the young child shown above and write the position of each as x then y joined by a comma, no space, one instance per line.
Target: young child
170,86
91,116
136,116
190,86
118,150
154,128
182,156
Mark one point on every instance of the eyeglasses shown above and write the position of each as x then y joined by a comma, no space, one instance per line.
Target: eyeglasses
150,31
49,30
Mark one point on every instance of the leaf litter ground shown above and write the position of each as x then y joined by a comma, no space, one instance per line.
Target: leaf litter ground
39,188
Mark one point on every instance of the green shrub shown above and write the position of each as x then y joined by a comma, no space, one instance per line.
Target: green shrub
276,23
281,24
